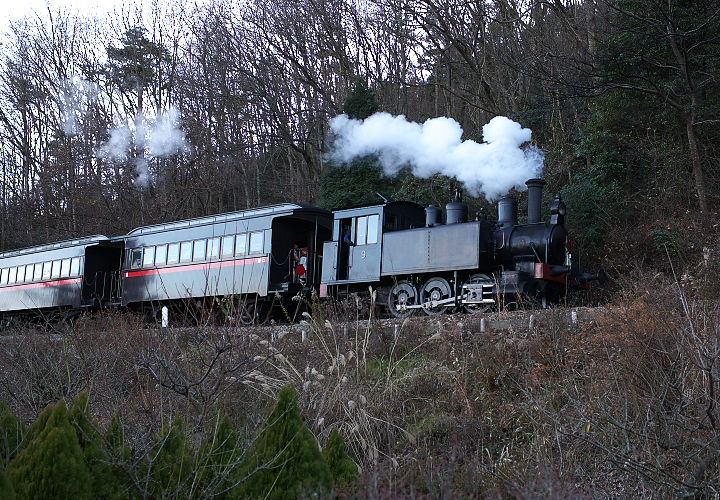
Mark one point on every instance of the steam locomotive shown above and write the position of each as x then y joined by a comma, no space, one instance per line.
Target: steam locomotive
248,260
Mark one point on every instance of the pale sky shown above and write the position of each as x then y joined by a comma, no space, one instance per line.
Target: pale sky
15,9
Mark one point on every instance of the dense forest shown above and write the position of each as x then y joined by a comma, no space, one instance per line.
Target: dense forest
622,96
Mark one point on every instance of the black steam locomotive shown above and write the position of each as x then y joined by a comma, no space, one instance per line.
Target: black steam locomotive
253,257
419,263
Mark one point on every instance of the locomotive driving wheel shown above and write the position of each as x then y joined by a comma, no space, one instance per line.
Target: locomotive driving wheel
434,290
478,279
402,294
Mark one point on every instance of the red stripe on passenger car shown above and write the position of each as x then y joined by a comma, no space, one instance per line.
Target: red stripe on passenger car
196,267
69,281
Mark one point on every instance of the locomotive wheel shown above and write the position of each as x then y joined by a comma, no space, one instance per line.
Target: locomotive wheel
477,279
402,294
435,289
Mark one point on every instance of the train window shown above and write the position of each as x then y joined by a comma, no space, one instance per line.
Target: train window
256,242
199,250
186,251
4,276
161,255
241,244
148,256
29,272
37,273
12,276
136,257
75,266
213,248
227,246
65,268
361,230
372,229
21,274
173,256
46,270
55,269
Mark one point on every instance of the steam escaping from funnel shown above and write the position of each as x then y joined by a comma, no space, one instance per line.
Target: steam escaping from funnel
155,137
490,168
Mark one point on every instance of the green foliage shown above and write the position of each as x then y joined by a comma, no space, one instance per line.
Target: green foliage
169,463
6,490
285,461
12,432
343,186
105,483
354,184
218,460
52,465
134,65
118,453
360,103
342,468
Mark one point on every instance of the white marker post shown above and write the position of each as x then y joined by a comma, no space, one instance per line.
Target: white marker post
165,317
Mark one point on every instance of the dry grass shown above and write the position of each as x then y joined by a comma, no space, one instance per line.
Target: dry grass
626,405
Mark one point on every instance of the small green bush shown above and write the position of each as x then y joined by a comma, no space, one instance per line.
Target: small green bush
342,468
285,460
51,465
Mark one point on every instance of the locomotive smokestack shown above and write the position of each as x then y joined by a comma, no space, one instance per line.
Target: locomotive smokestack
507,212
535,188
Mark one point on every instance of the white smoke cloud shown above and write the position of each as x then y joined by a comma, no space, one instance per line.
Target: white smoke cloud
156,137
76,94
490,168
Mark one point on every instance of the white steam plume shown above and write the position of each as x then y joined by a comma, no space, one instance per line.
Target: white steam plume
436,147
156,137
76,94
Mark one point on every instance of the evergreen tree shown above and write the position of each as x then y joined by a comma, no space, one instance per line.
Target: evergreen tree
51,465
106,484
6,490
342,468
218,461
12,432
285,461
356,183
169,463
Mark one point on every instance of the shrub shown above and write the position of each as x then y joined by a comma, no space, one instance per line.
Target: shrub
169,463
342,468
285,460
51,465
12,432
